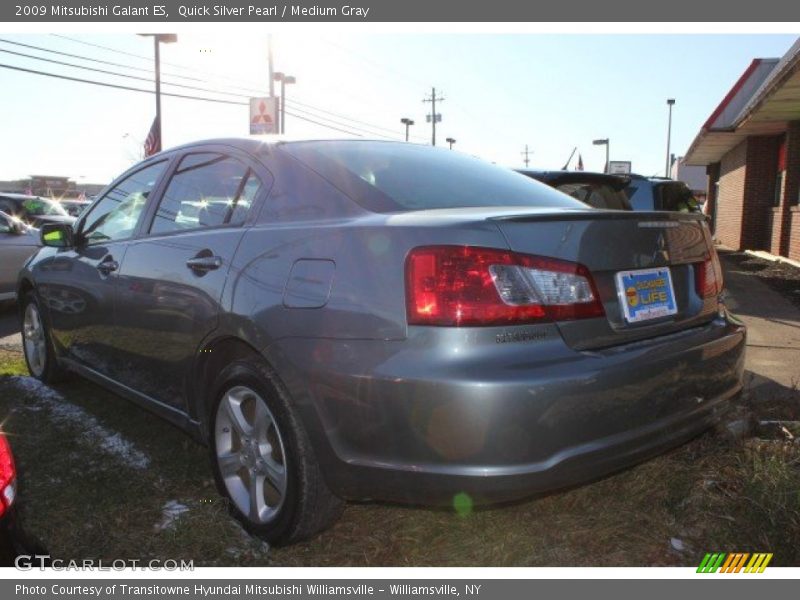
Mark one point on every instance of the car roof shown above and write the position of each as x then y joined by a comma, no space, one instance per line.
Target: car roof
14,196
559,176
259,143
654,178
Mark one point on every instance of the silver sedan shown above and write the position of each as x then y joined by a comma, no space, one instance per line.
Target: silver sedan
18,242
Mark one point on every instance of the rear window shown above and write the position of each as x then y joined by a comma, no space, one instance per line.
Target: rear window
396,177
677,197
596,195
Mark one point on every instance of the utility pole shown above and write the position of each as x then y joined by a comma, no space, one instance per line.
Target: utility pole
434,116
271,66
526,156
284,79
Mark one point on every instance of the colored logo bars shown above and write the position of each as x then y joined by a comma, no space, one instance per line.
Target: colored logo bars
734,562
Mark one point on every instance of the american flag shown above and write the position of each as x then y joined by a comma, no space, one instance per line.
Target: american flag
152,144
579,166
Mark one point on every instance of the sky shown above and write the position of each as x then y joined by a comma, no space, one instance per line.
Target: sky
501,92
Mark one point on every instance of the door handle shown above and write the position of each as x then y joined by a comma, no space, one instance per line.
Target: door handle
204,263
108,266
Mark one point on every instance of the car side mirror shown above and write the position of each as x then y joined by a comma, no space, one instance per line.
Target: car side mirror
58,235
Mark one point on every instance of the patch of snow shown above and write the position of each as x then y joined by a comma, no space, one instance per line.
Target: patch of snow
63,412
170,513
677,544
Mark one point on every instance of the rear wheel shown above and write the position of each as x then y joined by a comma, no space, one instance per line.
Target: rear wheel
36,344
262,459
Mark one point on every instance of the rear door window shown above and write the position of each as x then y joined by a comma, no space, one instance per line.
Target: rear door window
208,189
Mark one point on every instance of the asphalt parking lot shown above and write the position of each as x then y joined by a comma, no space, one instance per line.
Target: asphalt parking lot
101,478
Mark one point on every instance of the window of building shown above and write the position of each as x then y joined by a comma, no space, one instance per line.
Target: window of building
776,201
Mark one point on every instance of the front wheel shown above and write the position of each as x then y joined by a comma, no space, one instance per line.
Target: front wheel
36,344
262,459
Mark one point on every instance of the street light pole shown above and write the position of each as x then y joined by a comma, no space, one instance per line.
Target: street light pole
408,123
284,80
157,46
451,141
670,103
604,142
158,39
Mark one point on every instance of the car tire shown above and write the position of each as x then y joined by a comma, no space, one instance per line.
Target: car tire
37,345
262,459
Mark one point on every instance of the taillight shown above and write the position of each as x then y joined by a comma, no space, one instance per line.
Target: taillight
472,286
8,476
708,276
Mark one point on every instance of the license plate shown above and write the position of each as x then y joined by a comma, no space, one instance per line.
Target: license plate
646,294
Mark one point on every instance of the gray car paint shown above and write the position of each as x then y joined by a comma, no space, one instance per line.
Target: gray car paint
17,244
398,412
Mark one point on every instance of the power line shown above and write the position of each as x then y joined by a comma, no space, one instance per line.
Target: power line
247,89
382,68
97,60
382,135
346,118
139,56
185,86
173,95
116,74
117,86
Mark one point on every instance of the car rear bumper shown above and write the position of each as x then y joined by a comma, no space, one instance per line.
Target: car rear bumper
444,413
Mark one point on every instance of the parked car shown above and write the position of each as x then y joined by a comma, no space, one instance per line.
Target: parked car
18,242
358,319
598,190
34,210
660,193
74,206
14,541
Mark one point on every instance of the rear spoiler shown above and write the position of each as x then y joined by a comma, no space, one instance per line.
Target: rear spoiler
596,214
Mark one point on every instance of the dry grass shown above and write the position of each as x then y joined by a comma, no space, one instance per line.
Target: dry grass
715,493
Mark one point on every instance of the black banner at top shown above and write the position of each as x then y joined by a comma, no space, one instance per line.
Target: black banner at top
359,11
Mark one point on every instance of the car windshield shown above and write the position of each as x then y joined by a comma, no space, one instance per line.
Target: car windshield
38,207
393,177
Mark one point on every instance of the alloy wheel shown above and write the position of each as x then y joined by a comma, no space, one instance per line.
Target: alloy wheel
250,454
34,340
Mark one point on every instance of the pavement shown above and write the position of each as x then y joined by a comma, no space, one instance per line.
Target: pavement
773,353
9,327
773,330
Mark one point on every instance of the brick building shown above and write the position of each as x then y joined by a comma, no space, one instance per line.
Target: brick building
750,147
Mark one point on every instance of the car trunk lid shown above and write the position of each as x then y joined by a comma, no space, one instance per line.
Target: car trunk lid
611,242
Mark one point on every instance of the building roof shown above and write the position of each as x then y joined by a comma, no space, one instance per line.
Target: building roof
761,102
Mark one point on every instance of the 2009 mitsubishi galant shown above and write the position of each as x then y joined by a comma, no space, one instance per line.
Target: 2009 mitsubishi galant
358,319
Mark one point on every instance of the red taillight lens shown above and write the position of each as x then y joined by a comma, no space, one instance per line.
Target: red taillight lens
8,475
471,286
708,276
